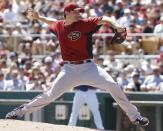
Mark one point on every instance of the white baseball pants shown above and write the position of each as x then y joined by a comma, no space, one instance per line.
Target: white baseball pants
89,97
82,74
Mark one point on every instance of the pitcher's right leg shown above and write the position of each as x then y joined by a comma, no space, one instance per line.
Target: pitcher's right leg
98,77
116,92
62,83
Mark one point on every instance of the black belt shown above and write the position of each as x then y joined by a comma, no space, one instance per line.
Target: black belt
77,62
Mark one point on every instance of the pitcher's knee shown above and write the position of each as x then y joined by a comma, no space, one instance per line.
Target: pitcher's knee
48,97
51,96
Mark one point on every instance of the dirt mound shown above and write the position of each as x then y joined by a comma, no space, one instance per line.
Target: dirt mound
17,125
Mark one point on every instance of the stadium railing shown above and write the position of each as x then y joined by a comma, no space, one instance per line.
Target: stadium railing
103,36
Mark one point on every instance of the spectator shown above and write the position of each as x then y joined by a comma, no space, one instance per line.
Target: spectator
2,39
3,54
3,66
23,75
161,8
147,27
96,10
99,61
28,65
141,15
9,15
112,63
13,57
25,48
129,69
36,80
119,9
19,34
56,56
37,45
151,83
49,67
131,46
160,58
126,19
146,67
102,41
9,38
135,83
161,67
3,83
122,79
15,83
12,66
107,6
159,28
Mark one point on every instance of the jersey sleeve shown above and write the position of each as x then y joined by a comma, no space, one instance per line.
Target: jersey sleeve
54,26
92,23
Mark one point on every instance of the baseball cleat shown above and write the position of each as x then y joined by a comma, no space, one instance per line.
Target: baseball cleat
12,114
141,121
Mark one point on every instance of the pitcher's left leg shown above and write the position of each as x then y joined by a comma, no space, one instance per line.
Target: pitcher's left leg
64,82
99,78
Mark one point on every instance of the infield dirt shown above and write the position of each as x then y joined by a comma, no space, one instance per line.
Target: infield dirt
18,125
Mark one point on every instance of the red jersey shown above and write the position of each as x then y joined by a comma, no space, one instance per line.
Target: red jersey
76,39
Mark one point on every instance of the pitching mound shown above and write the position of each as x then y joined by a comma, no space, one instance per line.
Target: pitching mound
17,125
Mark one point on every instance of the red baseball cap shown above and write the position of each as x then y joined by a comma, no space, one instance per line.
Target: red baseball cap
73,6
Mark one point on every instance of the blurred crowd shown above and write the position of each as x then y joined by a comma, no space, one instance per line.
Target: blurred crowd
22,38
33,37
142,75
26,73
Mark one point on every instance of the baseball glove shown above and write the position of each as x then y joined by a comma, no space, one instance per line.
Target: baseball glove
119,37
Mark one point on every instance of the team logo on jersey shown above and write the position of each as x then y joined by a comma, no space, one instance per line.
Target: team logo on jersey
75,35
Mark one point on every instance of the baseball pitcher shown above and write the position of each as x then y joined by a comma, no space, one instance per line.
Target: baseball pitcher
75,38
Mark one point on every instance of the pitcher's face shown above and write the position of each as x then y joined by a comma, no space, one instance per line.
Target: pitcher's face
74,15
